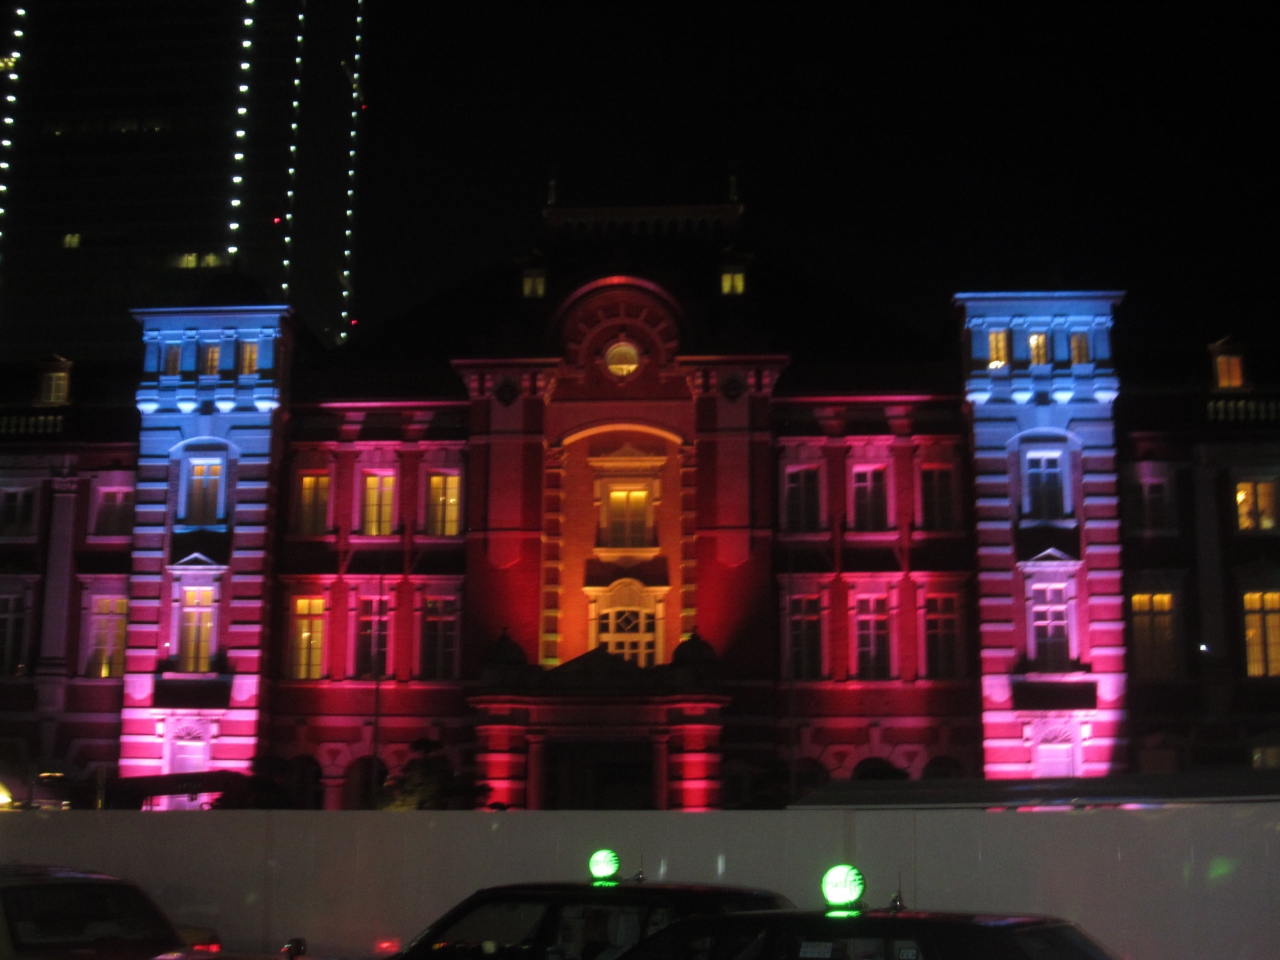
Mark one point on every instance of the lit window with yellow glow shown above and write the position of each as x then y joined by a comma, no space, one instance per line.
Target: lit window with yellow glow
1039,344
1080,348
627,518
1256,505
53,387
443,512
533,284
379,503
313,504
1262,633
1229,370
172,360
1155,652
733,283
307,662
209,356
622,359
204,491
247,362
196,630
210,260
998,349
70,241
110,619
186,261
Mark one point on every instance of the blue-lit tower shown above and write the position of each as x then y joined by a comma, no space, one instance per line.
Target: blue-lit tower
1051,614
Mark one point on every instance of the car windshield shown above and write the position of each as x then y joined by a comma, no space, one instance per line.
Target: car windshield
1058,943
107,920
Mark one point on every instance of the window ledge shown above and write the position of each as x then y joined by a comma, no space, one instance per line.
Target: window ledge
805,535
178,675
1066,523
873,535
616,554
369,538
193,528
429,538
109,539
936,534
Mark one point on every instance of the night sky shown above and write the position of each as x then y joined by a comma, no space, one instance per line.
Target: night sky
894,160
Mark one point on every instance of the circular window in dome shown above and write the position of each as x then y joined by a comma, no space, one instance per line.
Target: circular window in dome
622,359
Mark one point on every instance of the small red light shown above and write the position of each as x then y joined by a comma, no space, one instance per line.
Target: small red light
354,322
387,946
276,220
207,947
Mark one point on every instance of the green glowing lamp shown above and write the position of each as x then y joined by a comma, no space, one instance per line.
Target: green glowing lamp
603,864
842,885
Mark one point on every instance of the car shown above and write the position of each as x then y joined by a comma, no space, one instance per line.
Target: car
575,921
847,932
869,935
48,913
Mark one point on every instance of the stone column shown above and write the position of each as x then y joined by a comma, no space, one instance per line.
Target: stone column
58,577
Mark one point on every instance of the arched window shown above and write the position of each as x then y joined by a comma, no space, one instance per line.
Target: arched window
628,622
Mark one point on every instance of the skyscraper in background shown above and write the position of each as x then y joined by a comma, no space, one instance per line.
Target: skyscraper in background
161,154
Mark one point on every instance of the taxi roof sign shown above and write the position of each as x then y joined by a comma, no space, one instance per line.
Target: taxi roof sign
842,885
604,864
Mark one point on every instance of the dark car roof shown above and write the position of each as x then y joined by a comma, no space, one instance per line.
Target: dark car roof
675,889
33,873
1003,921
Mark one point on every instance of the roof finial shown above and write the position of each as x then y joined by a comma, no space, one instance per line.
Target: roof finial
551,192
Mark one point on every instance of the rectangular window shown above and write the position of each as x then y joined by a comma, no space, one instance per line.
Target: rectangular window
196,632
110,622
53,387
941,637
1155,505
1229,371
1262,633
1039,344
533,285
115,513
443,508
307,662
802,507
247,361
1051,640
1080,348
870,499
371,640
313,504
209,355
13,625
871,629
1044,486
204,488
1256,505
627,518
998,349
804,637
733,283
379,504
439,639
17,512
1155,653
173,360
937,499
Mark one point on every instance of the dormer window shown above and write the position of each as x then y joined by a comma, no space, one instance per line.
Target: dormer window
998,349
533,284
622,359
1039,345
1228,371
54,387
733,281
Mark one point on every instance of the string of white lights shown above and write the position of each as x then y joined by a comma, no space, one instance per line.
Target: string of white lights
293,150
356,106
241,131
10,64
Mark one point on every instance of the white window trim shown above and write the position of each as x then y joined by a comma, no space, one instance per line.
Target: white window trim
890,497
791,587
194,579
596,596
945,588
874,588
444,588
186,464
367,590
362,471
1049,576
1063,452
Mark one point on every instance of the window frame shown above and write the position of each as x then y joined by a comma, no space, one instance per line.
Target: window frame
117,614
884,470
247,352
367,593
612,485
1228,366
189,462
11,487
819,505
429,527
1039,348
1257,482
952,498
927,592
1051,606
100,493
392,520
1062,453
819,616
315,665
433,593
15,640
647,601
1167,663
209,360
185,589
999,354
1268,616
302,513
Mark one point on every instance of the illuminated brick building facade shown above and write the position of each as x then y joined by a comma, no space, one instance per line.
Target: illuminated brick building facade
627,571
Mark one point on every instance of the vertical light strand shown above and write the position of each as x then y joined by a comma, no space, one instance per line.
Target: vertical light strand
10,102
293,150
357,103
241,126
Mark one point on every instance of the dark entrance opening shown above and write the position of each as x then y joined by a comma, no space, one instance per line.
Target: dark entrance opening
589,775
